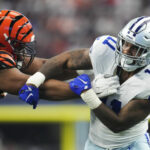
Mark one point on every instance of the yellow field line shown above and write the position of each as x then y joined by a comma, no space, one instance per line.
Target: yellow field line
44,113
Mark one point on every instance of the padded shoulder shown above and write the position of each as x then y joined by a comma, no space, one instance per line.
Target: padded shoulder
103,43
102,54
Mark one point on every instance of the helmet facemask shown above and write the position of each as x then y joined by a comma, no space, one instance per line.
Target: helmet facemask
129,62
141,55
25,53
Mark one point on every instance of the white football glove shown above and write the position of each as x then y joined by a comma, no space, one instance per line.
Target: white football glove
105,85
2,94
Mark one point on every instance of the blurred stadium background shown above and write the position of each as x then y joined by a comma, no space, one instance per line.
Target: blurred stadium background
60,25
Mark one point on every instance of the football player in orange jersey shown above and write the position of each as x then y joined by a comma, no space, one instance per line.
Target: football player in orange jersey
17,55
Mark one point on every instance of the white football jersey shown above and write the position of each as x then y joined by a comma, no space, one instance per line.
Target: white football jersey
102,54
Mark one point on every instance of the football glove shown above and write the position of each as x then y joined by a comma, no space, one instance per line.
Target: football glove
2,94
29,94
105,85
80,84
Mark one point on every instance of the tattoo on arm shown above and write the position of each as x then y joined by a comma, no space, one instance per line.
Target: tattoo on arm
70,60
79,60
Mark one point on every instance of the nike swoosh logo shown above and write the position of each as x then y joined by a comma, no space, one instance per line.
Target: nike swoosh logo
29,89
29,96
83,81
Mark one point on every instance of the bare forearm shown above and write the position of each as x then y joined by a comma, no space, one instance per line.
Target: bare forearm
108,117
12,80
129,115
71,60
35,66
56,90
66,75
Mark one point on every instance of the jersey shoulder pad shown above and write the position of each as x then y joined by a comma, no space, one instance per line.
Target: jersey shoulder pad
6,60
104,43
102,54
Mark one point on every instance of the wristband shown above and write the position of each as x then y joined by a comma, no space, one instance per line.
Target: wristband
91,98
36,79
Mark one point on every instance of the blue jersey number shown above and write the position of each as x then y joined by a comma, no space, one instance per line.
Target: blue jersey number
107,42
147,71
115,105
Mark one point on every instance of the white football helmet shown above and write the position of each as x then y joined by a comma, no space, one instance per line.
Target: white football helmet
136,32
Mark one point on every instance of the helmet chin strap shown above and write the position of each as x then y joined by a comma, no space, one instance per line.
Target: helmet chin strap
126,65
19,64
129,68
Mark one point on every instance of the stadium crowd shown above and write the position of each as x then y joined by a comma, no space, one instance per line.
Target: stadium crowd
62,25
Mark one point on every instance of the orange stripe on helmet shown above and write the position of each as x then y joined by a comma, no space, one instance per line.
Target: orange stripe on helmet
18,24
7,56
23,33
6,62
3,15
6,52
28,37
5,26
4,12
13,22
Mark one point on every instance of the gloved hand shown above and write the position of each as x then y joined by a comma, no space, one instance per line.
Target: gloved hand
105,85
29,94
2,94
80,84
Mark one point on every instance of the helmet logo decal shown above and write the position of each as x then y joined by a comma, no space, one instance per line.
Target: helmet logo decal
130,29
139,27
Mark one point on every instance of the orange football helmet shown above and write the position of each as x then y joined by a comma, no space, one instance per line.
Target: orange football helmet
17,37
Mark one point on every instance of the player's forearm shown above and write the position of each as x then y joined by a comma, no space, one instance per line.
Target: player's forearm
66,75
131,114
12,80
35,65
78,59
71,60
56,90
115,122
110,119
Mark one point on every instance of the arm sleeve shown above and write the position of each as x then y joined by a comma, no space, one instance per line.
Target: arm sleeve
6,60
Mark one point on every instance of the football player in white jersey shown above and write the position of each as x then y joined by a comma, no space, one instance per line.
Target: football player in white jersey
119,97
